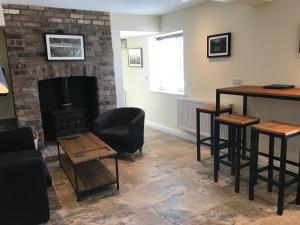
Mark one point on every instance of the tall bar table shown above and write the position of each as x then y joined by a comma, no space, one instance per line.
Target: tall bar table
246,91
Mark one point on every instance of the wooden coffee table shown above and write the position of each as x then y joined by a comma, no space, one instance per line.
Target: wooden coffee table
82,162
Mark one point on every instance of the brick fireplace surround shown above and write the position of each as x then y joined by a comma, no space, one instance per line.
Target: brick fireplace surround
24,32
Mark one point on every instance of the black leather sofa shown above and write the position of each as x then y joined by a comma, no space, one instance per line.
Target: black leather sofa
122,129
24,179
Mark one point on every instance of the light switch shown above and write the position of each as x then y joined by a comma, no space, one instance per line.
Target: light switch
237,81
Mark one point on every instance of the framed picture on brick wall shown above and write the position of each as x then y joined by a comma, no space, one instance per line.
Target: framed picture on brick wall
61,47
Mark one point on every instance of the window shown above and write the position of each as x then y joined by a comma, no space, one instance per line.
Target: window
166,63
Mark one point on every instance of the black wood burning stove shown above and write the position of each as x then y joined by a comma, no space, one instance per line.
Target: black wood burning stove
68,105
68,120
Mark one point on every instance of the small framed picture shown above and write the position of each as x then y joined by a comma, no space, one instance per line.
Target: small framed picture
62,47
219,45
135,57
123,43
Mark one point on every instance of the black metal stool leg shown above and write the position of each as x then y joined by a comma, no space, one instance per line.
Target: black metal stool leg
253,166
282,176
256,160
233,149
238,151
229,143
198,134
298,185
212,117
271,163
244,144
216,151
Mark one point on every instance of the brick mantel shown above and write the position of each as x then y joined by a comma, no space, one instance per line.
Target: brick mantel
24,32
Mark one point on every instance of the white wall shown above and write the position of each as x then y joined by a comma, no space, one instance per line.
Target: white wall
131,22
127,22
265,50
2,21
136,83
160,109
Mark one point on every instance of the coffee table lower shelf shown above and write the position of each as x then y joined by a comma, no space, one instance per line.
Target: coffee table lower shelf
88,177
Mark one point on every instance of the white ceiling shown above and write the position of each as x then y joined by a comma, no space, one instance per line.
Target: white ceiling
146,7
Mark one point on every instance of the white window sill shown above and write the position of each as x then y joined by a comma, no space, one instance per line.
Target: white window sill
168,92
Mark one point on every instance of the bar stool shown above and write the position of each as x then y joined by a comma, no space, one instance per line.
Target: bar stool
236,124
284,132
211,110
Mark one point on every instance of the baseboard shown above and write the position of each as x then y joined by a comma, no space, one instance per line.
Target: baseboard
176,132
263,161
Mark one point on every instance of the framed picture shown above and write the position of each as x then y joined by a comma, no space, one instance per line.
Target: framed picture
135,57
123,43
62,47
219,45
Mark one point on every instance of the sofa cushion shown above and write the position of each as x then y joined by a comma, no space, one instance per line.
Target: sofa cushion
23,155
119,132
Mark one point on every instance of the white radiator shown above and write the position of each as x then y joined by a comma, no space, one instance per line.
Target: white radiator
186,117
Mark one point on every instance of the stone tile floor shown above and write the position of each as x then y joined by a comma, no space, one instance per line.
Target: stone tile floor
167,185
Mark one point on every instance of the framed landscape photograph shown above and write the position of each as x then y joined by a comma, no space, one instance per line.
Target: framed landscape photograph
219,45
135,57
62,47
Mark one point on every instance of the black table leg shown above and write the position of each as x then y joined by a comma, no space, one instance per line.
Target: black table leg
298,185
211,133
245,111
216,152
238,159
76,183
198,134
253,156
58,151
282,176
233,149
117,173
218,103
271,163
229,143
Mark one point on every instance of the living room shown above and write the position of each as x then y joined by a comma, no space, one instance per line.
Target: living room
149,112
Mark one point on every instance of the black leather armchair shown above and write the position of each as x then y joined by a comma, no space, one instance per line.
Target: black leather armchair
24,179
122,129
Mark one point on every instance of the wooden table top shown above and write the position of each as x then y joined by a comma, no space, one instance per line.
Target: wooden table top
85,147
259,91
212,108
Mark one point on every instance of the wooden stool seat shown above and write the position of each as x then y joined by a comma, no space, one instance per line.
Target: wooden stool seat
278,128
208,141
211,109
238,120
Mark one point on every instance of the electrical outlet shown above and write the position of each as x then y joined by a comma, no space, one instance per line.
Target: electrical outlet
237,81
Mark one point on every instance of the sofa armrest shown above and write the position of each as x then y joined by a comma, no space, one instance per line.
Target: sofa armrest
138,120
137,124
23,191
20,139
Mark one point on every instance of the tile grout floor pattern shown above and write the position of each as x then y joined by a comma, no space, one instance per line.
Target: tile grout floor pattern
167,185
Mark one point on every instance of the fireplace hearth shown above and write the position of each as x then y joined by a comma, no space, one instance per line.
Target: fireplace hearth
68,105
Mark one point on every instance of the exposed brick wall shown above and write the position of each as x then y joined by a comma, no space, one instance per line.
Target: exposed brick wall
24,32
